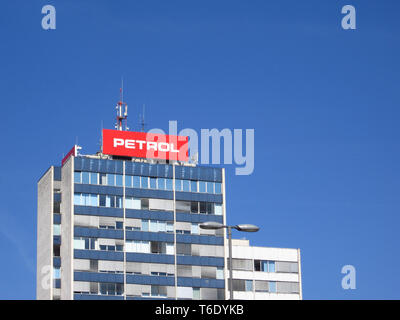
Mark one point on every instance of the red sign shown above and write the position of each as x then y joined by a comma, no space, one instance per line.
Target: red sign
145,145
72,152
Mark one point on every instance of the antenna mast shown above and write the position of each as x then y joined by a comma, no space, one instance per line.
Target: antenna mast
142,123
122,110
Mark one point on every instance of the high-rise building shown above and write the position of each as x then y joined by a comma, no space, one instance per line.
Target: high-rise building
124,224
127,228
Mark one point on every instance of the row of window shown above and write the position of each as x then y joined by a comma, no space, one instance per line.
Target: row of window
265,265
259,285
147,182
110,201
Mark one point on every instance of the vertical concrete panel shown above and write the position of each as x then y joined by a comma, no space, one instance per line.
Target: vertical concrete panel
45,237
67,231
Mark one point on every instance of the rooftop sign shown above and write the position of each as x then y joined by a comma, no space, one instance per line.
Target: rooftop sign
145,145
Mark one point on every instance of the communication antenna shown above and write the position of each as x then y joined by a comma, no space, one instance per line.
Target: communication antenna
122,110
141,119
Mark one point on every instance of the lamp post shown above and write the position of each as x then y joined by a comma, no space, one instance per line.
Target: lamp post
211,225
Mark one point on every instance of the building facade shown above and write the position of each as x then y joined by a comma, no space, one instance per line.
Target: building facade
128,229
263,273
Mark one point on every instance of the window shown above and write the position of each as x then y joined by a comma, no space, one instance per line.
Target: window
218,209
118,180
161,183
195,228
210,187
85,178
203,207
133,203
193,186
272,286
186,185
153,183
111,288
202,186
220,273
194,207
218,189
94,178
168,184
77,177
249,285
265,266
128,181
144,182
178,185
103,178
196,293
56,273
119,225
136,182
158,291
56,229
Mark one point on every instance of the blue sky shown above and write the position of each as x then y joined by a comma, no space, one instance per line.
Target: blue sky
323,102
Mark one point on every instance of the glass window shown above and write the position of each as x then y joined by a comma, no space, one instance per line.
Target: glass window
111,179
128,181
153,183
108,201
271,266
257,265
56,273
144,182
194,207
203,207
178,185
170,227
193,186
249,285
202,186
102,200
77,199
79,243
56,229
220,273
145,225
168,184
103,178
153,226
85,177
210,187
210,208
196,293
77,177
264,266
186,185
119,225
94,200
145,204
136,182
195,228
118,180
85,199
118,202
218,209
272,286
93,178
218,188
161,183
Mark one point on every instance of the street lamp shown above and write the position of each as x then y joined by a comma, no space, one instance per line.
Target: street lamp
211,225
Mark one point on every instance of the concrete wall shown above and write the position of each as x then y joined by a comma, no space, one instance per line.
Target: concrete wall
67,231
44,285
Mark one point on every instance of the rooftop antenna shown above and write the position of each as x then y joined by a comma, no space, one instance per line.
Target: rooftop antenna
122,110
142,123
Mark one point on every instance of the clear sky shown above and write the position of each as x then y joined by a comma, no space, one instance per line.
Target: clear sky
324,103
